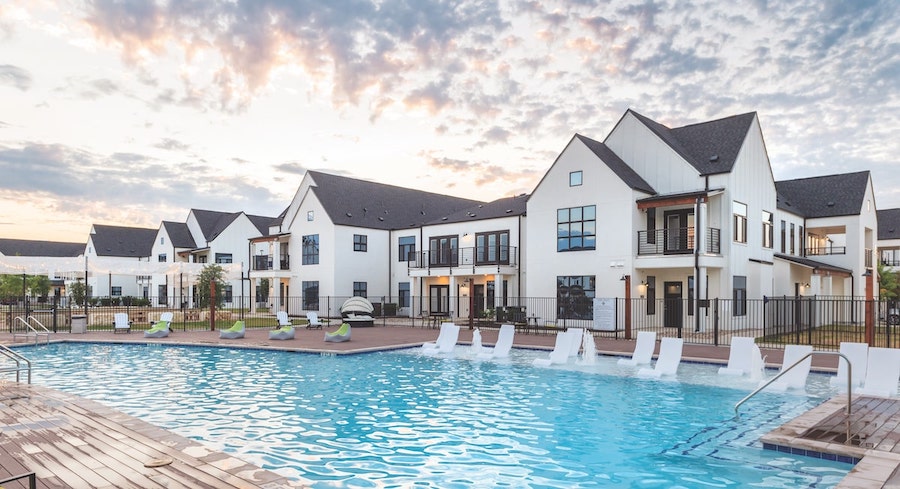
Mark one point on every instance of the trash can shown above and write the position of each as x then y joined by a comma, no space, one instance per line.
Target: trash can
79,323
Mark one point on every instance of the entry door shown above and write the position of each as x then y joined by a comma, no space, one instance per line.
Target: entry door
439,299
679,231
673,305
478,297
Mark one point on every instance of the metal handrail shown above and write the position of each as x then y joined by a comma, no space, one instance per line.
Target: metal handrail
737,415
37,334
32,479
14,356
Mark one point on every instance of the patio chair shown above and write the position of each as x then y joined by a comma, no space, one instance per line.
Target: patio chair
858,355
668,360
503,345
445,342
234,332
643,350
121,322
341,335
314,321
282,319
882,372
282,333
796,377
161,328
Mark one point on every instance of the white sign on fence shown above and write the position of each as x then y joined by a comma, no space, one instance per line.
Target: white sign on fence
604,314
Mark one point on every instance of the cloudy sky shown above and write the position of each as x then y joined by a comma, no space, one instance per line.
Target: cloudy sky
130,112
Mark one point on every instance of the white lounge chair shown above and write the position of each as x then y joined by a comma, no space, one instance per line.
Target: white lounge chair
283,319
574,336
446,340
668,360
503,345
643,349
882,372
744,358
858,355
314,321
796,377
560,353
121,322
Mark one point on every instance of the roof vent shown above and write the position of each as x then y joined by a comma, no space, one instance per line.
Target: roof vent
380,218
443,218
830,204
480,206
508,211
713,158
422,212
349,215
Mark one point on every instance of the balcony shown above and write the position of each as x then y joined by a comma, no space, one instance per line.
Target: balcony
464,257
826,250
266,262
677,241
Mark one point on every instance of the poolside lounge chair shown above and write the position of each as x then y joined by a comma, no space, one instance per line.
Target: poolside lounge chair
234,332
357,311
342,334
858,355
796,377
161,328
503,345
643,349
282,333
314,321
446,340
121,322
560,353
282,319
744,358
882,372
668,360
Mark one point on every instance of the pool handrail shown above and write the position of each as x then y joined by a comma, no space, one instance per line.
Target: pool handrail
16,357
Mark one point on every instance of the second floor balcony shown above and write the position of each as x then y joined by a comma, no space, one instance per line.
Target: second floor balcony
267,262
676,241
826,250
464,257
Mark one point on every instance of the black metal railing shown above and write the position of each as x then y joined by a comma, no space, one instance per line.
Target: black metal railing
826,250
464,257
267,262
676,241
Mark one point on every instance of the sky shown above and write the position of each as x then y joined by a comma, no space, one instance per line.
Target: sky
129,113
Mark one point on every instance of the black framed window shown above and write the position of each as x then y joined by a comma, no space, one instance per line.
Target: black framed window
768,229
311,249
651,295
575,296
361,289
576,178
793,249
492,247
360,242
576,228
407,249
739,295
443,250
116,291
740,222
161,258
403,290
783,235
223,257
310,295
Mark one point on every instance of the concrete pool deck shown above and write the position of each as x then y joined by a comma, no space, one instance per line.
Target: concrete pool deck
33,444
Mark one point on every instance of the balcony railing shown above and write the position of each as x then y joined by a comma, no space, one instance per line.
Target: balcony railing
826,250
678,241
266,262
469,257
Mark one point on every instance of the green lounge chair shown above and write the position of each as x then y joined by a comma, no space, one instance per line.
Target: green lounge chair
341,335
284,333
161,328
234,332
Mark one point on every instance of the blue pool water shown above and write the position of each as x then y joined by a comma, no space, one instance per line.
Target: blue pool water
399,419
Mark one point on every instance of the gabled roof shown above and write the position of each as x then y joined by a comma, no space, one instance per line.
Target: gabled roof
505,207
710,147
213,222
179,234
353,202
27,247
888,223
123,241
825,196
619,167
262,223
813,264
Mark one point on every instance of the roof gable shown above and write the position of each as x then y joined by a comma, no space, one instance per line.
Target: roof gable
619,167
824,196
179,234
212,223
122,241
26,247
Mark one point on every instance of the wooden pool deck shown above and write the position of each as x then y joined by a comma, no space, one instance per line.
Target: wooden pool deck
69,441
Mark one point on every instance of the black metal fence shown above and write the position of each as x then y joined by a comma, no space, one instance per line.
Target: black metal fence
823,322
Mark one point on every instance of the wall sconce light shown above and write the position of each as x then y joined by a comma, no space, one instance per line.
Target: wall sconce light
624,277
643,283
806,285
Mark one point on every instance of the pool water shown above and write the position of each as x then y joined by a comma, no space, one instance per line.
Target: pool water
400,419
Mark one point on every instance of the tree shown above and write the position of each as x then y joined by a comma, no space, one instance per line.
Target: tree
11,286
211,273
78,292
888,283
39,285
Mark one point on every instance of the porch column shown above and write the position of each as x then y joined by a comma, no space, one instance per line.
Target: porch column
416,299
498,291
700,288
276,255
700,225
453,297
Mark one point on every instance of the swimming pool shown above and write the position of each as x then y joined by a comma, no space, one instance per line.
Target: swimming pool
399,419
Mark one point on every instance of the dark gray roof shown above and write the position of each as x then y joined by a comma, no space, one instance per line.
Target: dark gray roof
505,207
123,241
26,247
825,196
619,167
710,147
262,223
353,202
815,265
213,222
179,234
888,223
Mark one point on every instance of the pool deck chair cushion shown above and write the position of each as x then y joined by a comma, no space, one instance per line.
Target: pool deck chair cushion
741,355
446,340
560,353
795,378
234,332
858,355
341,335
121,322
314,321
643,349
882,372
283,319
282,333
668,360
503,345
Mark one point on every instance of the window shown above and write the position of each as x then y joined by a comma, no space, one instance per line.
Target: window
492,248
407,248
161,258
311,249
360,289
740,222
116,291
360,242
768,230
202,259
310,295
228,294
739,295
443,251
162,294
162,240
403,289
310,215
576,228
792,238
223,257
575,296
651,295
651,226
575,178
802,240
262,294
783,236
690,297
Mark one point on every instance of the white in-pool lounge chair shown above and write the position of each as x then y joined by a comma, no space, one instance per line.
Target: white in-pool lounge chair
744,358
314,321
503,345
446,340
668,360
882,373
796,377
858,355
574,337
560,353
121,322
643,349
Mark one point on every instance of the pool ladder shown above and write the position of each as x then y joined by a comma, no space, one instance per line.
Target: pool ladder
31,331
19,359
737,414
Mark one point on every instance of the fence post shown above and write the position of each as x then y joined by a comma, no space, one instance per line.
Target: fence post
716,321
